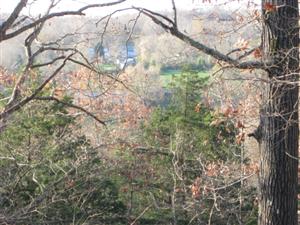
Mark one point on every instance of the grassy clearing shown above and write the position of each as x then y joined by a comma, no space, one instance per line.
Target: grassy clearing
166,76
108,67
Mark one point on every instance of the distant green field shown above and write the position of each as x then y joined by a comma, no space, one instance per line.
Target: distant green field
108,67
166,76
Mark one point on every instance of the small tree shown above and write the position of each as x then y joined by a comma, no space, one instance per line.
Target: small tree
187,114
190,159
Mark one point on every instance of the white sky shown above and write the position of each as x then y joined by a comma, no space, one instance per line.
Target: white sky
39,6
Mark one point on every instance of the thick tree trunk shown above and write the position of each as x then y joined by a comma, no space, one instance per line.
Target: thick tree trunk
279,130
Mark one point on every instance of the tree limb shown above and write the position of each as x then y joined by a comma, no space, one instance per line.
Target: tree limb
17,10
198,45
51,98
15,105
13,16
175,13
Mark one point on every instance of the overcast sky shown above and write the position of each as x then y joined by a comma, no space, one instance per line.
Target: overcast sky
8,5
39,6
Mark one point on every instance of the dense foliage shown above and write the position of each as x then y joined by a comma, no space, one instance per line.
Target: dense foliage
52,174
186,170
181,169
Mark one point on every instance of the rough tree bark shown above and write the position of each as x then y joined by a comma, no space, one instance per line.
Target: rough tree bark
279,131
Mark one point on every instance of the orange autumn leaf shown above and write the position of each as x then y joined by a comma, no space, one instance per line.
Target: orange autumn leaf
251,168
256,14
212,169
235,112
240,138
70,183
228,111
198,108
195,188
269,7
195,191
240,124
59,93
257,53
242,44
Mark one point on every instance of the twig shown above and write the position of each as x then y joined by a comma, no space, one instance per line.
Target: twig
15,105
198,45
144,211
175,13
22,4
51,98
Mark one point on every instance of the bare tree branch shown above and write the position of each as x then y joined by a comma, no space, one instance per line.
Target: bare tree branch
51,98
48,63
16,105
198,45
12,18
175,13
79,12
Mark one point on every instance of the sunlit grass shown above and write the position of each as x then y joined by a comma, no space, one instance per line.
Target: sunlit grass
167,76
